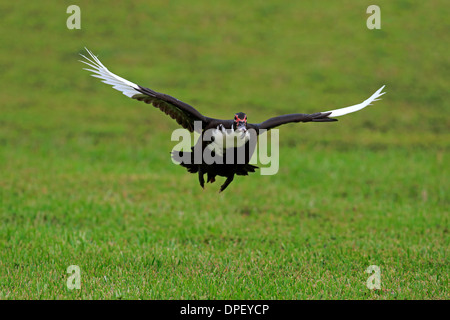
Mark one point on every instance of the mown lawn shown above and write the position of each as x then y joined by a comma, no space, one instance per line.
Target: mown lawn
86,177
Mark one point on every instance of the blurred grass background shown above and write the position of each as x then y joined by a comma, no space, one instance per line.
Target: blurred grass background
86,178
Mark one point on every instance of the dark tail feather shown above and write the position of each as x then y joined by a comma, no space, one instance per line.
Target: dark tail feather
243,171
185,159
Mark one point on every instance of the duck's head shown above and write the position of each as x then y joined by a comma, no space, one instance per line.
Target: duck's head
240,122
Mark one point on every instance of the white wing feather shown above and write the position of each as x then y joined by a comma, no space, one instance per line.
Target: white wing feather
356,107
100,71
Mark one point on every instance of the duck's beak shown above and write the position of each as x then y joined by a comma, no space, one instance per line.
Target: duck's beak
242,129
242,126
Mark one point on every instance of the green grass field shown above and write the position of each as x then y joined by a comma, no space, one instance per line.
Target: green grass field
86,177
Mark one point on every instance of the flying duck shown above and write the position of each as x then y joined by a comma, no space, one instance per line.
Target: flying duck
237,132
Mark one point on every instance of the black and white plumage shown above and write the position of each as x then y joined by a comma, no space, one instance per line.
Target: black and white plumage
222,130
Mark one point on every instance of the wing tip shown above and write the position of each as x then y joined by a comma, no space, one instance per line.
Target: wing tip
379,91
374,97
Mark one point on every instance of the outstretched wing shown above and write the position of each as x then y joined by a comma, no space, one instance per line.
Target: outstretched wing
316,117
183,113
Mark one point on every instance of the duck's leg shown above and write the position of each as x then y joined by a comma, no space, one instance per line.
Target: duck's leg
227,182
201,179
211,178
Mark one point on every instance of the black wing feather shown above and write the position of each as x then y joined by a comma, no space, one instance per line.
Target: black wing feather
183,113
289,118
